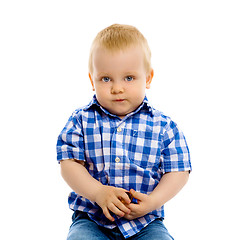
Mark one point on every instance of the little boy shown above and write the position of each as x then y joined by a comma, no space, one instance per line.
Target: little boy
123,159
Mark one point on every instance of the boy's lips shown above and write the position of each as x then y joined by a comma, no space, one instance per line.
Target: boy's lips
119,100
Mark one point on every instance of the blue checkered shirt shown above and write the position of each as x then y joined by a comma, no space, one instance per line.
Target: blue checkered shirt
130,153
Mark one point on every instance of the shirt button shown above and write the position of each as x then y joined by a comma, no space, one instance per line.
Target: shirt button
117,159
119,129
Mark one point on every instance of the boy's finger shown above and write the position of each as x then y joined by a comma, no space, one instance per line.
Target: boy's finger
113,208
126,198
137,195
122,207
107,214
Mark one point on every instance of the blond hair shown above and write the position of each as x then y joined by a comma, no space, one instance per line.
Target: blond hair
119,37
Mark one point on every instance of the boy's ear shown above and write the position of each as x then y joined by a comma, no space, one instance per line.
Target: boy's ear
149,79
91,80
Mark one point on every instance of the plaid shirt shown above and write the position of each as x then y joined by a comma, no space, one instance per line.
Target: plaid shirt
133,152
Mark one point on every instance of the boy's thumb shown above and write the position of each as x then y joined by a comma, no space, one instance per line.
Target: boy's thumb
136,195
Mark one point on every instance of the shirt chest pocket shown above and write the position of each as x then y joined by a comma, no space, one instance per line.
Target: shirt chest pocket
144,149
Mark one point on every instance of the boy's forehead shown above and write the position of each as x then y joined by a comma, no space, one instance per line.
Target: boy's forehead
117,51
132,57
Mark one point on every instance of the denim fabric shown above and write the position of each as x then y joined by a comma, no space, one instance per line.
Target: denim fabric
83,228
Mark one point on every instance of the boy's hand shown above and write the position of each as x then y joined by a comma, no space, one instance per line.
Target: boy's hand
113,199
140,209
170,184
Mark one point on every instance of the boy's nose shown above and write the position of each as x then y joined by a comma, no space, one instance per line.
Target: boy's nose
116,88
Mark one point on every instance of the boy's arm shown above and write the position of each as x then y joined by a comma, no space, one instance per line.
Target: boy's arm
169,185
82,183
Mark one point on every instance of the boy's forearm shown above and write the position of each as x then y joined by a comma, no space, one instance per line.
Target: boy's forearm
107,197
169,185
79,179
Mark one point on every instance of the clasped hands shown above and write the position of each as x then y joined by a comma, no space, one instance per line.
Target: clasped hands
117,201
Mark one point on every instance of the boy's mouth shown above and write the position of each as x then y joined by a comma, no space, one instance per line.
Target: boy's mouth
119,100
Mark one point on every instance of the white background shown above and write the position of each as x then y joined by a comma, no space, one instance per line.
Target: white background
44,48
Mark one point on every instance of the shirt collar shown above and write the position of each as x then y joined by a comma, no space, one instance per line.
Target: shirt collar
92,103
148,105
145,105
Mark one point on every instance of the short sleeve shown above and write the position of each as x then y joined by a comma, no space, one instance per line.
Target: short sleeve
70,144
175,154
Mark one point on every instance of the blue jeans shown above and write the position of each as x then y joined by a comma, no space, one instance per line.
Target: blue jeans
83,228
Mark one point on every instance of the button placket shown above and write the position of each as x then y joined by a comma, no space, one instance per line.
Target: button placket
117,162
119,142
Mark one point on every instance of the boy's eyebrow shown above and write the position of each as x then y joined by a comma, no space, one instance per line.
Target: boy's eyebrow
107,74
131,73
102,74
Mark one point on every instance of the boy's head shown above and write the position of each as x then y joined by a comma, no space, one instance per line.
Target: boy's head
120,68
120,37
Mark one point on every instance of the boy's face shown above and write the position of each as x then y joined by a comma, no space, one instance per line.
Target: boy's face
120,79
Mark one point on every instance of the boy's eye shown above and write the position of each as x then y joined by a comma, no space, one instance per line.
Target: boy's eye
105,79
129,78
